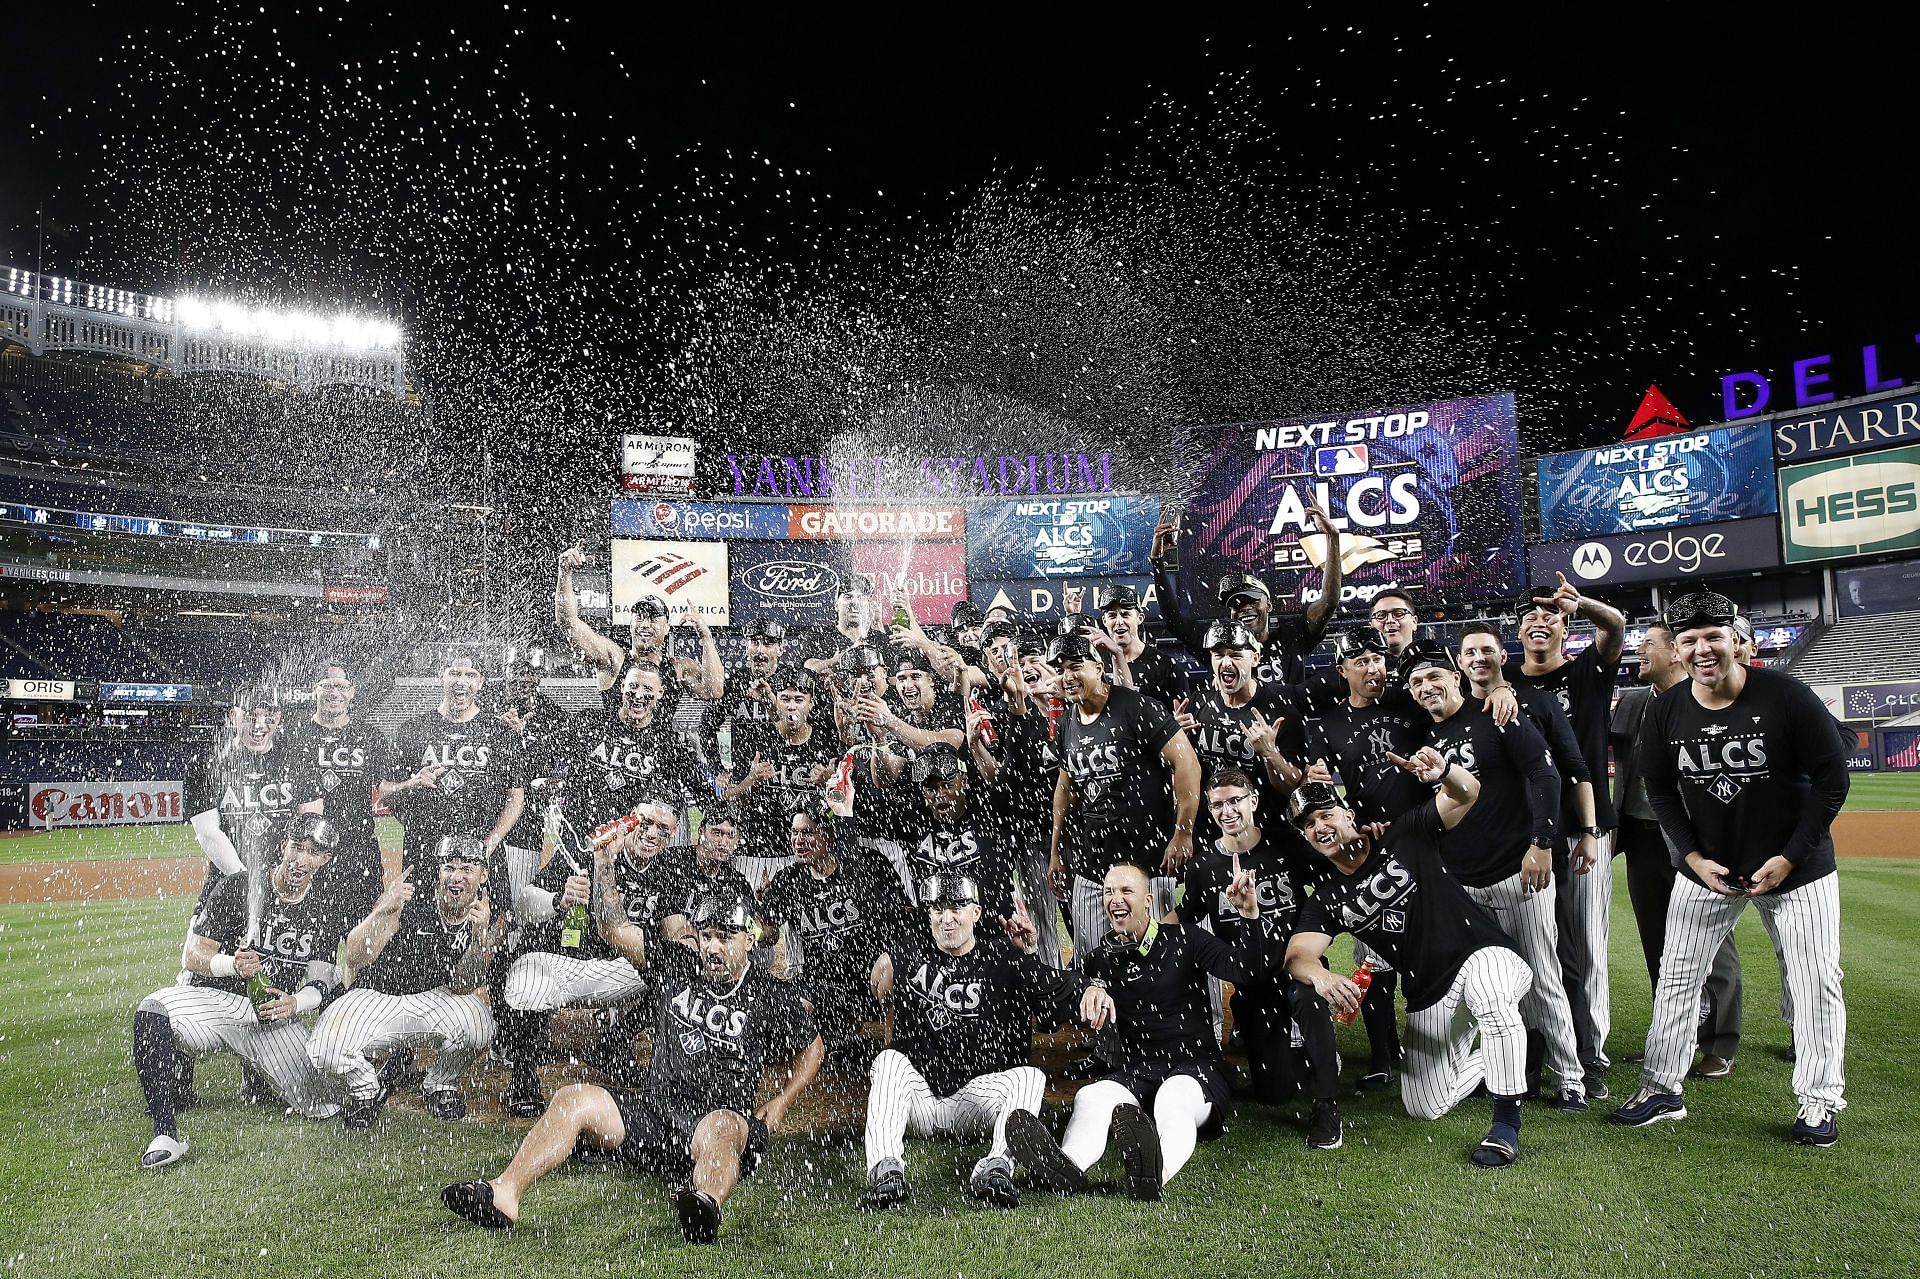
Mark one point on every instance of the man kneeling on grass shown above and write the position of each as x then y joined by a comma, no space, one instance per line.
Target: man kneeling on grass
693,1120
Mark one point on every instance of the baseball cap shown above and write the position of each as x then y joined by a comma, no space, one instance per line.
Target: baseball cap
1362,639
997,630
460,848
859,658
911,659
1700,608
1311,797
1744,625
1227,633
1072,648
1121,596
856,584
937,763
943,888
315,829
1525,604
1028,644
812,804
649,606
718,810
1006,612
723,909
1234,585
966,613
798,678
765,628
1423,653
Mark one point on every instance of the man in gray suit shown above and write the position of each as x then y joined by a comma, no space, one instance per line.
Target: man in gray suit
1650,870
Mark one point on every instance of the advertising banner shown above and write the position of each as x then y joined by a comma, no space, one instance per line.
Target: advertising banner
1698,478
1657,555
931,577
702,520
1861,504
1060,537
355,595
680,573
657,464
1877,588
147,526
876,523
1046,597
39,690
1834,429
1891,700
794,583
1900,748
51,804
121,692
1427,497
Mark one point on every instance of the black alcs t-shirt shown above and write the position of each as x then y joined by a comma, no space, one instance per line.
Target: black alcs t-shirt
482,761
422,953
345,764
619,764
287,936
960,1016
1584,688
711,1043
1125,790
1519,792
1355,742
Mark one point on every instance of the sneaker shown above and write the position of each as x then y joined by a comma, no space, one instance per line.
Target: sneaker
1498,1149
1816,1125
356,1113
1649,1107
1569,1102
1084,1068
1597,1089
474,1201
1138,1142
524,1098
1323,1128
887,1187
162,1151
255,1089
445,1103
992,1184
699,1216
1034,1148
1712,1067
1376,1081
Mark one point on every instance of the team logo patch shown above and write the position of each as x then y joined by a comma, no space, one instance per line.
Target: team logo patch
330,780
1394,921
1724,788
692,1042
451,780
1714,730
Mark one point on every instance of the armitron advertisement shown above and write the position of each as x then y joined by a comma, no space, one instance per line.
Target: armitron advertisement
680,573
1427,497
1859,504
657,464
1060,537
1705,477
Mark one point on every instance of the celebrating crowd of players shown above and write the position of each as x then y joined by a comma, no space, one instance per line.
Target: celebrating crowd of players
865,853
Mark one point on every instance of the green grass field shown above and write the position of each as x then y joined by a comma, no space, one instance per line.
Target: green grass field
262,1195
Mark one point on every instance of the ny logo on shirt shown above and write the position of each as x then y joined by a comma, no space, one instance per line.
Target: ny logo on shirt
1722,766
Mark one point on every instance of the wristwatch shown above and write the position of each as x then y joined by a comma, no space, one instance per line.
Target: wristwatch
1595,831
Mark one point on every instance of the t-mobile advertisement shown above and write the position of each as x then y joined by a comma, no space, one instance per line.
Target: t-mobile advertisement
929,577
1426,497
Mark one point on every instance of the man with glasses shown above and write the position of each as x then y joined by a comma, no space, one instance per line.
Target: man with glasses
1745,774
960,1060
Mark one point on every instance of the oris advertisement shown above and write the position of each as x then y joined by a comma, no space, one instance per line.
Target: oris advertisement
1706,477
794,583
1427,498
1660,555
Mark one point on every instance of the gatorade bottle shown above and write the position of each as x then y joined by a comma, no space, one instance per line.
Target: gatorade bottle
1363,978
613,831
989,735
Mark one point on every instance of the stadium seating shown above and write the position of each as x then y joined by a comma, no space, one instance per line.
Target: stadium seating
1862,649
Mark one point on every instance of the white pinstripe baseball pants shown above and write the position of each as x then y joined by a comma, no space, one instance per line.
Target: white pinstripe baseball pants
207,1020
1089,920
367,1021
541,981
1805,927
1444,1062
1180,1109
1527,920
899,1101
1586,902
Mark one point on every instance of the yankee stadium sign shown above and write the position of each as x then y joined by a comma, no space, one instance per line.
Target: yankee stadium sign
890,478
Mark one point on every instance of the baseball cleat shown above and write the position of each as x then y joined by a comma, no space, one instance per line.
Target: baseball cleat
162,1151
1597,1089
1035,1150
524,1099
1139,1144
445,1103
1376,1081
1712,1067
1649,1107
888,1188
358,1113
1497,1150
993,1185
474,1201
699,1216
1816,1125
1569,1103
1323,1128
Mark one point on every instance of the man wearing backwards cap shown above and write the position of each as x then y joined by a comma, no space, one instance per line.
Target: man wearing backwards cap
289,938
1462,976
414,970
960,1061
1503,851
693,1120
1745,774
787,766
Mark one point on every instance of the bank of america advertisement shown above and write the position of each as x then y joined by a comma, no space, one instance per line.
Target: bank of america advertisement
1426,496
1704,478
681,574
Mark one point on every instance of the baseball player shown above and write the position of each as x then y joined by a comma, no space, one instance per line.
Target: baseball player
1157,975
414,970
287,939
959,1063
346,761
559,967
1745,773
709,868
1461,974
547,749
745,712
1152,671
646,640
792,761
693,1121
1240,721
1503,849
953,834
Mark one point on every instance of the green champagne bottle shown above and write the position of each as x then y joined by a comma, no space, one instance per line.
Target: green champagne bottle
257,992
574,926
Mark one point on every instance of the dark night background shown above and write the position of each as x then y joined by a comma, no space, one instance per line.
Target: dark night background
1621,201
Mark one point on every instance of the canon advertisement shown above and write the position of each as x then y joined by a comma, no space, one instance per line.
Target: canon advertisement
51,804
1427,497
1704,478
1660,555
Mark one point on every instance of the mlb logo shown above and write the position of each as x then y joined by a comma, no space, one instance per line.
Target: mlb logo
1341,459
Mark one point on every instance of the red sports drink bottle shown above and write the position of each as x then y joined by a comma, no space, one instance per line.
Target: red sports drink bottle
843,775
1363,978
1054,707
988,733
613,832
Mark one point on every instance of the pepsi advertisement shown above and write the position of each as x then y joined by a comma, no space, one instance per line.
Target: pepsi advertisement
703,521
1703,478
1099,537
1426,498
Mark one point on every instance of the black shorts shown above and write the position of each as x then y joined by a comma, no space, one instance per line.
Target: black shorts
1216,1085
659,1141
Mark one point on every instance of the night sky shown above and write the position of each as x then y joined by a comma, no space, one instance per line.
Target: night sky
1602,207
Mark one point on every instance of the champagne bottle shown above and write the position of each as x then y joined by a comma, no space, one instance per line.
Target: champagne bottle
258,992
574,927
